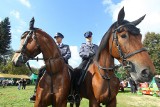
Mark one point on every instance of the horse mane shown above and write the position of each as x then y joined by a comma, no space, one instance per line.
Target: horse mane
130,28
103,43
45,34
23,35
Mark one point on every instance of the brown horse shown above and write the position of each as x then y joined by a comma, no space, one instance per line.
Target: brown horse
123,42
54,86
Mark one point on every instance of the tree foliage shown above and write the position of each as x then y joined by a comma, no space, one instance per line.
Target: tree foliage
152,42
5,36
121,73
11,69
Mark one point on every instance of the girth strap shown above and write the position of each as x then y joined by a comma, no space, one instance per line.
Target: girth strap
51,75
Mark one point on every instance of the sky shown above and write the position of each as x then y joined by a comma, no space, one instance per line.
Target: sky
74,17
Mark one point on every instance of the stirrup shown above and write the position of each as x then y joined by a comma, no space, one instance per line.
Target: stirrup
32,99
70,99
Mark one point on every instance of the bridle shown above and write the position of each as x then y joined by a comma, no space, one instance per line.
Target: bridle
121,54
23,51
125,63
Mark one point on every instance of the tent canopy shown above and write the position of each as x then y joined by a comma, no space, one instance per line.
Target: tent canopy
13,76
155,83
33,76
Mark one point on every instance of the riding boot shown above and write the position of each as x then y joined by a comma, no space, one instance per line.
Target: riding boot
70,98
40,74
33,97
77,94
77,89
79,71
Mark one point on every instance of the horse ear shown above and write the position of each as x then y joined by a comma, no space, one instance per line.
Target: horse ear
31,24
136,22
121,15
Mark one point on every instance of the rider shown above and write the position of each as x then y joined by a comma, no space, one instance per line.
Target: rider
65,52
87,51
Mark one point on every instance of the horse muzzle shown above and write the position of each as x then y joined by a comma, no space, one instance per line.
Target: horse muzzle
20,60
140,73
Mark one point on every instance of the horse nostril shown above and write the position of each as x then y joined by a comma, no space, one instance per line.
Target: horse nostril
145,73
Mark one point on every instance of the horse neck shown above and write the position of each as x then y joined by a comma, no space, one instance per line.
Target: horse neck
106,60
48,47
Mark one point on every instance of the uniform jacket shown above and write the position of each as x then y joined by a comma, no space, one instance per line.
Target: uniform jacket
87,50
65,51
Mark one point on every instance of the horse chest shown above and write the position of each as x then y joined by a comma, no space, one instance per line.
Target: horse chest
102,90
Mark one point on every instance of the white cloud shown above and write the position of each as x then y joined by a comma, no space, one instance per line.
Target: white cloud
15,13
75,59
0,19
134,9
107,2
21,25
25,3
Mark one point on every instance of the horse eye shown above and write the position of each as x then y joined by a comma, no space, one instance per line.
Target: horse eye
124,36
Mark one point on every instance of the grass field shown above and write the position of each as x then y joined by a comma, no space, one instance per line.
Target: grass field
12,97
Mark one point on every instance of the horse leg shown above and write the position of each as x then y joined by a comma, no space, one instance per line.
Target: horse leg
71,104
112,103
93,103
40,98
39,103
77,104
63,104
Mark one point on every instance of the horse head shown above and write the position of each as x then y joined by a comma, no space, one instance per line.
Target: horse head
29,48
123,42
34,42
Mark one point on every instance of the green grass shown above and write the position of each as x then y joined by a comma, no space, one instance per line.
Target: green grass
12,97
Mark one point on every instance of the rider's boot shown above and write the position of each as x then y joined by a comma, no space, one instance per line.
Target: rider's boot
77,93
70,98
77,96
40,74
32,98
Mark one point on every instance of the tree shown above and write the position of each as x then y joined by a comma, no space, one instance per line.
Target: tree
152,42
10,69
5,36
121,73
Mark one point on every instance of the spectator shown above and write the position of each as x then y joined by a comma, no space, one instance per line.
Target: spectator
24,82
4,83
133,85
19,84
